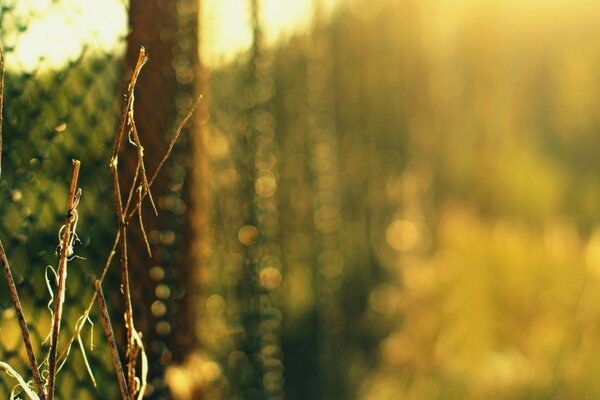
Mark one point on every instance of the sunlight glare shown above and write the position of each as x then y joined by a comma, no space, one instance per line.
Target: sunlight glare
57,32
226,29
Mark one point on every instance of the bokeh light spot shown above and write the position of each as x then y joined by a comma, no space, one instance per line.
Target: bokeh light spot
270,278
248,235
402,235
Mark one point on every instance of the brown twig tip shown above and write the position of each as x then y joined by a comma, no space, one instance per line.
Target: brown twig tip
143,53
66,250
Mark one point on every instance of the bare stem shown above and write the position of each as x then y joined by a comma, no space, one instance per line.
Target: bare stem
125,212
22,323
128,310
62,278
141,166
129,99
14,295
1,99
86,313
142,59
129,327
168,152
112,344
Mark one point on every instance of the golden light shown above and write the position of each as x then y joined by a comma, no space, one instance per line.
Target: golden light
57,32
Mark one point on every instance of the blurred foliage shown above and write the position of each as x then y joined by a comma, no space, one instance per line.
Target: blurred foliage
438,202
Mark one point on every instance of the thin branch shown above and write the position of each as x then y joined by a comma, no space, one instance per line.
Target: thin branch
8,273
65,249
141,220
1,99
129,328
169,150
114,161
175,138
142,59
112,344
135,346
128,310
130,215
22,323
131,191
140,152
88,309
129,100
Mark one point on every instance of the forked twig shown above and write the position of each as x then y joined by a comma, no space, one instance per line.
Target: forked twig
142,59
88,309
144,187
112,344
129,326
141,166
129,217
65,250
132,385
172,143
125,212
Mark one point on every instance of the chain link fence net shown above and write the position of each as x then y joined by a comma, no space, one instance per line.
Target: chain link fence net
62,101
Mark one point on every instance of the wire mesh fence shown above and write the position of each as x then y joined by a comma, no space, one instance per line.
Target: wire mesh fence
62,100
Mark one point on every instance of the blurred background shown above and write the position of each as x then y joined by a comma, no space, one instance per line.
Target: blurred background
380,199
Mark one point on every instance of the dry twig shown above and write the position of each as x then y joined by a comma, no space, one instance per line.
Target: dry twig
1,99
172,143
131,385
22,323
125,212
112,344
8,273
65,252
129,325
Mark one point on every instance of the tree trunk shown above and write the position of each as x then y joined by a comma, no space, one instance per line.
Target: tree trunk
164,94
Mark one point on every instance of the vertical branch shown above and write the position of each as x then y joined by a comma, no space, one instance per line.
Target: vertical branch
128,310
130,215
65,249
114,161
22,323
125,212
121,214
142,59
8,273
1,100
108,331
86,313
